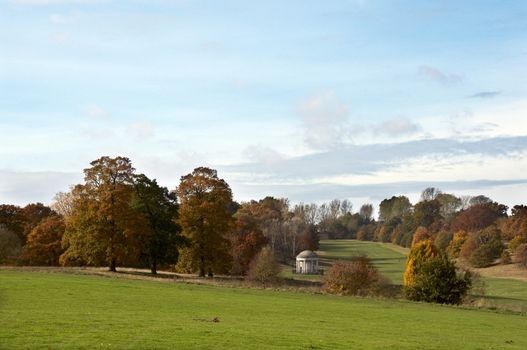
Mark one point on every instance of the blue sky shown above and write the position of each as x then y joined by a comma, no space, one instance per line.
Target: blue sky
312,100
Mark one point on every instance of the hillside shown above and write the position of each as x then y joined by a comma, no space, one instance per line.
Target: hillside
504,286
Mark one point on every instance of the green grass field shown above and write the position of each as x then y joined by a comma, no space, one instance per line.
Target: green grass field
63,311
390,259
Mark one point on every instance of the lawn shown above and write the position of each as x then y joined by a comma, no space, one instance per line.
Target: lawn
390,259
66,311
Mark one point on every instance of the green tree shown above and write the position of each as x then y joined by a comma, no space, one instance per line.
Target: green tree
205,219
159,207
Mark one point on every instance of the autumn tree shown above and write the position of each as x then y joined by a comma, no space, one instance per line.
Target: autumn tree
421,234
264,268
103,227
10,246
159,207
205,220
475,218
419,253
394,207
13,220
44,242
482,247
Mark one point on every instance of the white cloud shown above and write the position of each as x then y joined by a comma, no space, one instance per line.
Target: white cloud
96,112
397,127
436,75
325,120
141,130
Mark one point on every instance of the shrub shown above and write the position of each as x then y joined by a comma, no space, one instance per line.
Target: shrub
437,281
356,277
264,268
520,255
419,253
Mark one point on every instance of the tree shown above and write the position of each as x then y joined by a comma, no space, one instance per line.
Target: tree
204,217
246,238
394,207
13,220
366,212
264,268
457,242
427,212
430,193
482,247
449,205
437,281
44,243
421,234
10,246
420,253
443,239
33,214
159,207
475,218
103,227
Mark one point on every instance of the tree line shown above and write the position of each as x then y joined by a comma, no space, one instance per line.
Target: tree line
118,217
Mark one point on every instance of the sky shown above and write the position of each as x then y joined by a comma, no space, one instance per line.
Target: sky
309,100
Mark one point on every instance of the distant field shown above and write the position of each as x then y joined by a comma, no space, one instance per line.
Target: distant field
62,311
390,259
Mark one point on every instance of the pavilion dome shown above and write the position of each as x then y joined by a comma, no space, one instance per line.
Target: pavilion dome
307,254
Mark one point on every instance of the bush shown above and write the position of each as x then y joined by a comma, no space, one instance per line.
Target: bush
454,248
443,240
356,277
482,247
419,253
520,255
437,281
264,268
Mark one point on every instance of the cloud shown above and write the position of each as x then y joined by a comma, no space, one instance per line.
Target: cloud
486,94
397,127
20,187
436,75
372,158
324,119
96,112
141,130
261,154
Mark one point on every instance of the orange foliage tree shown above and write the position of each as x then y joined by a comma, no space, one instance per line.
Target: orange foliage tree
44,243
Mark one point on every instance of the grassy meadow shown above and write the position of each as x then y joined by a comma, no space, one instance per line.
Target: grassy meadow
390,259
64,311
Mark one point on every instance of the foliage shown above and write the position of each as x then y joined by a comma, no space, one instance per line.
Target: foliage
159,207
477,217
10,246
505,258
394,207
13,220
420,253
421,234
516,242
520,255
264,268
443,239
482,247
44,243
427,212
103,228
454,248
205,221
355,277
437,281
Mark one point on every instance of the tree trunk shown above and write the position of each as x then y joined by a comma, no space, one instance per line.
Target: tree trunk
153,268
112,265
202,267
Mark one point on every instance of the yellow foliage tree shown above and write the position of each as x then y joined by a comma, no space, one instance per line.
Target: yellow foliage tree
419,253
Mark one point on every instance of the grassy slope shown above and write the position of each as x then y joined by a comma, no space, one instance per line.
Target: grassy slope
390,260
54,310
